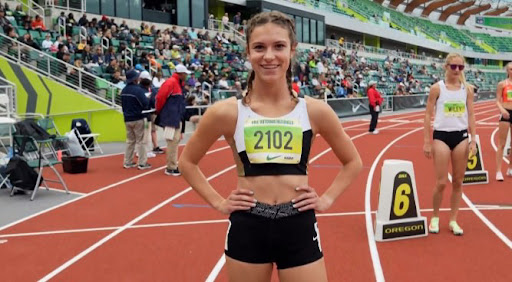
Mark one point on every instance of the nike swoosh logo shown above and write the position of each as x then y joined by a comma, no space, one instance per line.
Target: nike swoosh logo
354,109
269,158
315,238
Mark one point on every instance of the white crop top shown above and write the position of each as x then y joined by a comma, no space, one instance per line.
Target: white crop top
451,112
273,146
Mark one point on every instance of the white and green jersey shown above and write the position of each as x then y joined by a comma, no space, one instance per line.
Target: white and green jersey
273,146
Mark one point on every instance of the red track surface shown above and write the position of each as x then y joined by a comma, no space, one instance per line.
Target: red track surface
149,228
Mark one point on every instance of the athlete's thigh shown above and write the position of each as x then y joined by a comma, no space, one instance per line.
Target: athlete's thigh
314,271
460,158
248,272
441,155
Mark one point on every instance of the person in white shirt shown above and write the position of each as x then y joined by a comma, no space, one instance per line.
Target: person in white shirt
158,80
451,103
223,83
320,67
47,43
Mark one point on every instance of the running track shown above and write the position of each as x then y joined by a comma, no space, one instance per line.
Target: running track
132,225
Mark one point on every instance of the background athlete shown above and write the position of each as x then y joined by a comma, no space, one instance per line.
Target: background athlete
504,103
451,102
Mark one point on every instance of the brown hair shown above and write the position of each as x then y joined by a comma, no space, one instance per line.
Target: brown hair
283,21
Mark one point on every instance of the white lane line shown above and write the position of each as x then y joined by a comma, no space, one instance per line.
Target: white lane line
496,147
119,230
64,191
215,271
377,267
96,192
482,217
379,275
216,221
107,238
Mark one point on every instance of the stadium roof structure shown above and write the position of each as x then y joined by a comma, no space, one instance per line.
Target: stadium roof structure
464,9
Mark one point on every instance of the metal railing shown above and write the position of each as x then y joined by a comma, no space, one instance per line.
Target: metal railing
370,49
33,8
228,28
70,5
8,107
74,77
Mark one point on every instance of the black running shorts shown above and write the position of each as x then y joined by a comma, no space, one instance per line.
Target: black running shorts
451,138
274,233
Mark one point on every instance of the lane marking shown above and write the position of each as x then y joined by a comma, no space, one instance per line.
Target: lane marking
495,147
379,274
215,271
124,227
96,192
482,217
216,221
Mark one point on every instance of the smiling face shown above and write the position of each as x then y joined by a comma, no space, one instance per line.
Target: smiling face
269,52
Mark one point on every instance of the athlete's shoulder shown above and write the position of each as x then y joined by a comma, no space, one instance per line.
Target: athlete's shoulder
502,83
436,88
315,105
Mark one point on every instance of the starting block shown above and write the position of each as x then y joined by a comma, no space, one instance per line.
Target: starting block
398,215
475,172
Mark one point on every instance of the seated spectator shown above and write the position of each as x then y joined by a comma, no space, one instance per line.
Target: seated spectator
175,53
192,34
38,24
70,45
81,45
98,57
112,67
47,42
158,79
4,22
83,20
116,77
223,83
27,39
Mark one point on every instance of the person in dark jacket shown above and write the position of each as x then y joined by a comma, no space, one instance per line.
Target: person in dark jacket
170,108
133,102
375,100
146,85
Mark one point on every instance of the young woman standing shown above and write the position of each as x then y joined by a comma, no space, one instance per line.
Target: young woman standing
271,130
451,103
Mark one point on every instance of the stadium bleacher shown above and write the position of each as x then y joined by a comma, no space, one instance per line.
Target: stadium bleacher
212,55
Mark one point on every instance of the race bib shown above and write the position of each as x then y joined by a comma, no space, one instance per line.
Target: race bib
509,95
271,140
454,108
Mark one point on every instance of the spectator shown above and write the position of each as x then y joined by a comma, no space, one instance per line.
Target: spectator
158,79
83,21
133,102
170,108
38,24
4,22
47,42
225,21
375,101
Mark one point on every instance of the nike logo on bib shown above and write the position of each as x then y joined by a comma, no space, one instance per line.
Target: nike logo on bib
269,158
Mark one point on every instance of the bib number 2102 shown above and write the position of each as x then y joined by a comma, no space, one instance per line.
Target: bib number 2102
275,139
